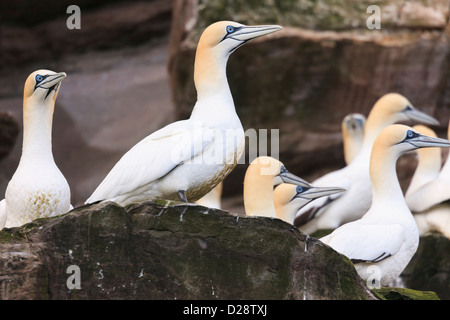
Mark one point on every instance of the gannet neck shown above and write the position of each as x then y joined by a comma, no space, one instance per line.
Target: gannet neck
445,171
258,193
210,73
385,185
37,129
258,186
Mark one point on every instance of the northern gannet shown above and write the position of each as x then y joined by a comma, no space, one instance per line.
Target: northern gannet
261,176
352,127
288,198
383,241
334,210
37,189
187,159
212,199
428,189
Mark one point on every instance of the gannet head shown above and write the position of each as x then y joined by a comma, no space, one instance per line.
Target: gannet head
274,169
261,176
401,139
352,127
393,107
42,86
288,198
226,36
353,124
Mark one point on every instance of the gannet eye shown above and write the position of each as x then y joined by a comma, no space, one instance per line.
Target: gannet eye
299,189
410,134
283,169
39,78
230,29
408,108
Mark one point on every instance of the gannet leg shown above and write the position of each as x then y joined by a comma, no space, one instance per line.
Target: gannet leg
182,195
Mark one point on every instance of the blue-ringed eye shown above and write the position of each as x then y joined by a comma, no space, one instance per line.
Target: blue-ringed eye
230,29
410,134
39,78
299,189
283,169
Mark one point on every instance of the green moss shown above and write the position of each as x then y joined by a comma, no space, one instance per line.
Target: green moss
7,237
321,233
404,294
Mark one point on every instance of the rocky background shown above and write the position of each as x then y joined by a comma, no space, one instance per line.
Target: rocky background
130,72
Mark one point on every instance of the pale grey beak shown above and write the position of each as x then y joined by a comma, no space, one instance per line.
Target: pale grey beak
422,141
52,81
318,192
286,177
247,33
421,117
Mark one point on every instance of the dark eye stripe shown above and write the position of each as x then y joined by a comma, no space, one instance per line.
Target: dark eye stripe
39,78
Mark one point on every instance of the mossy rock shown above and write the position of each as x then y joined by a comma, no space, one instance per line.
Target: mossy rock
404,294
180,251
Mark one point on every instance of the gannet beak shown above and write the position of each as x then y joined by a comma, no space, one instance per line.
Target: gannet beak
419,116
247,33
52,81
422,141
317,192
287,177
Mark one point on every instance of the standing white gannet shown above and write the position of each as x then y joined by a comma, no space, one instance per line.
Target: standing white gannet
352,127
187,159
37,189
261,176
332,211
288,198
212,199
386,236
428,190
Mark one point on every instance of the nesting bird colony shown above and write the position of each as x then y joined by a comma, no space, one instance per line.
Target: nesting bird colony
374,223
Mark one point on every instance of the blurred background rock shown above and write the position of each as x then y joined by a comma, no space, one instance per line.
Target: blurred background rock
130,72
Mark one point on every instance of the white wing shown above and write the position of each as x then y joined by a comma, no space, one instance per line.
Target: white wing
154,157
316,207
366,243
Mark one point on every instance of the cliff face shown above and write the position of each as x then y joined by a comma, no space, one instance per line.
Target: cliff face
149,251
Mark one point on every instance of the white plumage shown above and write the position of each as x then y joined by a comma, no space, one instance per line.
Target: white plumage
332,211
37,189
386,236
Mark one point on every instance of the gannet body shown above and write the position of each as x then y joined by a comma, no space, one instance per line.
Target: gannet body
187,159
212,199
261,176
334,210
288,198
428,186
352,127
37,189
383,241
